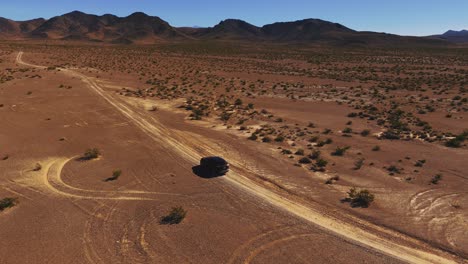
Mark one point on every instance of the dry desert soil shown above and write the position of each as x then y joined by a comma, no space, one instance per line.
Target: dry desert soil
300,126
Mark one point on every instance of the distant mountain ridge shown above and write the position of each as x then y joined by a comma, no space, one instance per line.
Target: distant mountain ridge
454,36
142,28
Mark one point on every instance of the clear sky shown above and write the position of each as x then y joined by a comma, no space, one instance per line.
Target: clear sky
404,17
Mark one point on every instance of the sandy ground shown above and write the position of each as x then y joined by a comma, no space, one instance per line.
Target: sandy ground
253,215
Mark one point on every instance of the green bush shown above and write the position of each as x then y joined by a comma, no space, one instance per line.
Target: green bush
305,160
358,164
436,179
299,152
91,154
252,137
340,151
365,132
175,216
115,175
321,163
7,203
362,198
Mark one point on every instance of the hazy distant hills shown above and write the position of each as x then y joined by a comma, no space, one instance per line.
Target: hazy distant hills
454,36
142,28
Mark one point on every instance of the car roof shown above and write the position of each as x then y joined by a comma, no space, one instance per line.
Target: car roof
215,159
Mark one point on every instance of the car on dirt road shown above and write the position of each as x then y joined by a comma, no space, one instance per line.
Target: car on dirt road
216,165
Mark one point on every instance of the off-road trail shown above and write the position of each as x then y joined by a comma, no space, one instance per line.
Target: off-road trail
386,241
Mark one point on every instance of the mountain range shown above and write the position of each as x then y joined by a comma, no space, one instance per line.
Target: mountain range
142,28
454,36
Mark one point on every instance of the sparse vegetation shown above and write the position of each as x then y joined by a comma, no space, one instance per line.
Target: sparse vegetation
436,179
8,202
91,154
360,198
115,175
175,216
37,167
340,151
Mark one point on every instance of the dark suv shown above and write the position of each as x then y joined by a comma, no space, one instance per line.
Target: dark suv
216,165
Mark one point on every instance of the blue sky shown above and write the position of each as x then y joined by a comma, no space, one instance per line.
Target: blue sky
405,17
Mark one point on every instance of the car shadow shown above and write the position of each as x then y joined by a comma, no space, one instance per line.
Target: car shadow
202,172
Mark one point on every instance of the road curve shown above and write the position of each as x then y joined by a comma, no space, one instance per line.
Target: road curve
352,233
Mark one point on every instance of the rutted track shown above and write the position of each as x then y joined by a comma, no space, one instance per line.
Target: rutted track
54,182
178,143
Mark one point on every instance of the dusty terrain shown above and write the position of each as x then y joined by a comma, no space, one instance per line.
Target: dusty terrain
154,111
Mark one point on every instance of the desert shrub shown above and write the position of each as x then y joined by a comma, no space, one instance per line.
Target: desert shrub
365,132
315,154
279,138
266,139
286,151
376,148
389,134
115,175
305,160
225,116
436,179
253,137
91,154
5,157
340,151
299,152
321,163
393,169
238,101
333,179
347,130
453,143
37,167
358,164
361,198
420,163
457,141
175,216
7,203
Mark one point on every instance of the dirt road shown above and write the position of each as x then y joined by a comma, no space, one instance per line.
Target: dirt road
241,176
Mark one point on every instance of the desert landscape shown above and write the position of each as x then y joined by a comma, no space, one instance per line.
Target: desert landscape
343,146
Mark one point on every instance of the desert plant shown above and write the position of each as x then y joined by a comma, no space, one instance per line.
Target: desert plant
115,175
91,154
340,151
376,148
279,138
253,137
175,216
37,167
7,203
365,132
436,179
315,154
358,164
305,160
299,152
5,157
333,179
361,198
321,163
